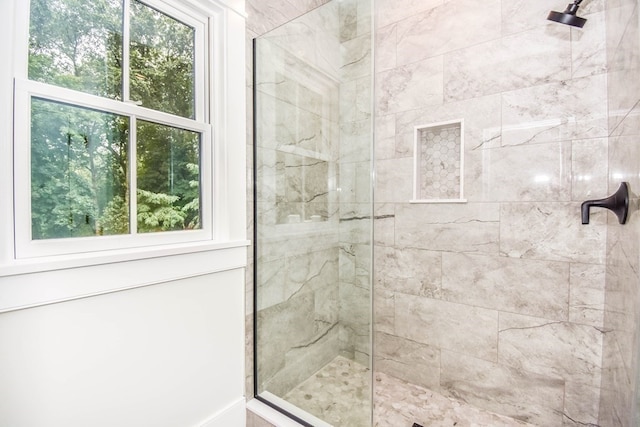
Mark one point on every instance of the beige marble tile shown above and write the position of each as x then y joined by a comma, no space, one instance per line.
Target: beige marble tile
587,296
559,349
356,58
410,86
517,393
522,15
559,110
410,271
394,180
588,170
385,137
482,118
539,288
383,231
383,311
254,420
581,405
456,327
339,393
452,26
588,48
407,360
527,58
428,408
471,227
551,231
355,100
385,53
390,11
538,172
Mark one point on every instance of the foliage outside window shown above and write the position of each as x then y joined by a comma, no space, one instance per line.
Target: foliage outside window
128,158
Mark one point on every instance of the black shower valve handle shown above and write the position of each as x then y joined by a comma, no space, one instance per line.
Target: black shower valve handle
618,203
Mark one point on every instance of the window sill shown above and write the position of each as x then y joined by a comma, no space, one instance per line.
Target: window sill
35,282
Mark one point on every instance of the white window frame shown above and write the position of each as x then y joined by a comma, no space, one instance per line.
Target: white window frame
225,112
25,90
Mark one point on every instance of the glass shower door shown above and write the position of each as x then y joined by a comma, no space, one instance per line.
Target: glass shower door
313,216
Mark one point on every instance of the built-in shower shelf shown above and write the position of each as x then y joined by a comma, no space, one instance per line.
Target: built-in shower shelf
439,163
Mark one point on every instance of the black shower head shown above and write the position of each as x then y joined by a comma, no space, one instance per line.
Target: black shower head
568,17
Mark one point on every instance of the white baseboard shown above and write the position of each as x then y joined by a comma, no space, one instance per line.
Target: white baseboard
234,415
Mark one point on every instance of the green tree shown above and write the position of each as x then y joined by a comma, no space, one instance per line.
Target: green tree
79,156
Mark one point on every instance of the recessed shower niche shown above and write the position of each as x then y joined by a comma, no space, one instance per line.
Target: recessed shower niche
439,163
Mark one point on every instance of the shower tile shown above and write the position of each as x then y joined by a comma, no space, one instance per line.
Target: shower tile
482,118
514,392
427,407
348,19
297,311
589,173
304,360
452,26
391,11
355,141
456,327
522,15
355,100
551,231
570,109
383,231
385,55
409,87
529,58
271,283
407,360
588,48
311,271
581,405
394,180
356,58
410,271
384,310
526,173
561,349
587,297
385,133
337,393
472,227
538,288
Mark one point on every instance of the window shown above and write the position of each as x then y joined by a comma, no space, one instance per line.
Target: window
113,144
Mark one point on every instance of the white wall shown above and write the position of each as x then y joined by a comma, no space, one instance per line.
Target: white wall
121,342
165,355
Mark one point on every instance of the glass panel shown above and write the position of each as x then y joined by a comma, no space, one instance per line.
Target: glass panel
77,44
168,178
162,59
78,171
313,216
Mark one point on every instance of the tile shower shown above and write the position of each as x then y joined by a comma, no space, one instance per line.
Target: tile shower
505,302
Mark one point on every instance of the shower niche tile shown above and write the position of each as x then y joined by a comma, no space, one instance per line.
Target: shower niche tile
439,163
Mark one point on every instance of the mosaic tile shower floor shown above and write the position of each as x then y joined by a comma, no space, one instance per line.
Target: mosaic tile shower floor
397,403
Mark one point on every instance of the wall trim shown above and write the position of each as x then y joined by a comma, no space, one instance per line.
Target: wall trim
231,416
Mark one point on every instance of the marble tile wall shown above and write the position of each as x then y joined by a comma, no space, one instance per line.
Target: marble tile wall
262,17
314,193
619,405
499,302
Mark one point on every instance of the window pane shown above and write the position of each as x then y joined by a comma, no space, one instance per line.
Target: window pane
78,171
77,44
162,58
168,178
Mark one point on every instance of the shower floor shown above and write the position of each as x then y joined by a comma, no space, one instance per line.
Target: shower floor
339,394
